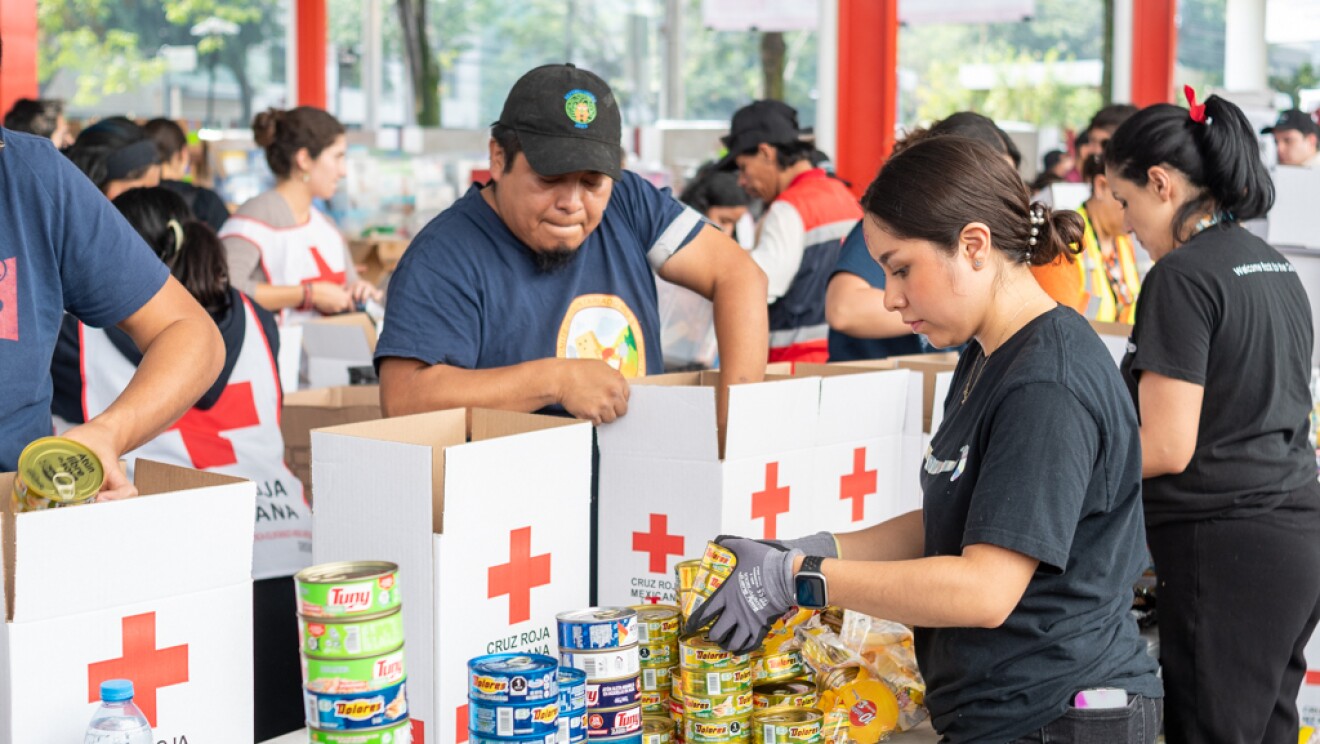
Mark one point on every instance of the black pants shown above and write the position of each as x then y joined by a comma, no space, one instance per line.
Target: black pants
1138,723
277,676
1238,599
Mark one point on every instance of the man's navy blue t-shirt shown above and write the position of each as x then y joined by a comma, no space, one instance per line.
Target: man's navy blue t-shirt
468,293
65,247
855,259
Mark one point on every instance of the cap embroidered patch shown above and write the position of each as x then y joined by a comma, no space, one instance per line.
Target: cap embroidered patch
580,105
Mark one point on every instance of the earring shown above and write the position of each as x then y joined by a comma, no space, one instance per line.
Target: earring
977,263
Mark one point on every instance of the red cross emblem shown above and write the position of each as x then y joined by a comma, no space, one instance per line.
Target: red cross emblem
202,430
149,668
771,502
461,725
9,299
323,271
658,543
857,484
519,576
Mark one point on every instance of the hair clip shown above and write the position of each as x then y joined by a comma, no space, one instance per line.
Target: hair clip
1197,110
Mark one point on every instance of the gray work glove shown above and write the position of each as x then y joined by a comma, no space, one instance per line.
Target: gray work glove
821,544
756,594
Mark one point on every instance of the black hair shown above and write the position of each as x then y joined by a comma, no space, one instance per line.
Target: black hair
909,204
1082,139
713,188
1111,116
1219,156
198,262
99,147
169,137
1092,168
507,138
790,154
283,133
35,116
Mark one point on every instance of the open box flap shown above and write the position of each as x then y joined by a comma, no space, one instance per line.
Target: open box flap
668,419
772,417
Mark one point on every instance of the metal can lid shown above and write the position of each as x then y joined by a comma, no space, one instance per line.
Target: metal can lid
657,725
791,687
597,615
331,573
513,664
60,470
659,612
788,715
570,676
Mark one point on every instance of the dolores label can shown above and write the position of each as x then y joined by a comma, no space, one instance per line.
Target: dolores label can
658,679
794,694
398,733
572,689
717,683
572,726
353,675
657,730
737,705
55,472
788,726
658,655
777,667
597,628
654,703
657,624
722,731
609,722
346,639
613,693
602,665
525,719
513,678
350,589
357,710
475,738
702,654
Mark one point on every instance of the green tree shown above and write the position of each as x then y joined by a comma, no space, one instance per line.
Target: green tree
256,21
1303,77
96,41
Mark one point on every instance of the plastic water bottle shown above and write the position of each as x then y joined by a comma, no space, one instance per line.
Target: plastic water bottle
118,720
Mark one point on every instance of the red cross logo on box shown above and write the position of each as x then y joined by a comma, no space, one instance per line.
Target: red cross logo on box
519,576
324,272
771,502
858,484
150,668
658,543
202,430
461,725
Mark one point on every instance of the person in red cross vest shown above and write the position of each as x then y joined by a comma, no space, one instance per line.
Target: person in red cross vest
798,238
234,429
283,251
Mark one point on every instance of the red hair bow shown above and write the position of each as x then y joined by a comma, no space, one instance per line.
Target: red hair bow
1197,109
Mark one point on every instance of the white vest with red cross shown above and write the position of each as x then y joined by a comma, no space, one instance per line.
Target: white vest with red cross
311,252
238,436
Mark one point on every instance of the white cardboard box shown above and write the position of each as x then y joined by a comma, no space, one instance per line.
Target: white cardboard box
491,536
155,589
336,343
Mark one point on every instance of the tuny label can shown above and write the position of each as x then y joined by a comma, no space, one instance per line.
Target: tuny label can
527,719
602,665
737,705
702,654
597,628
54,472
788,726
794,694
616,693
657,624
777,667
717,683
727,731
398,733
336,639
609,722
513,678
353,675
657,730
359,710
351,589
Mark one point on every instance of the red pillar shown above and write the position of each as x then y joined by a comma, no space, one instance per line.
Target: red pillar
312,41
1154,50
868,88
18,68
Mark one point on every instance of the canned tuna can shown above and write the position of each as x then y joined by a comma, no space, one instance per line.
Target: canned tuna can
612,663
656,730
525,719
654,703
793,694
346,639
350,589
658,656
676,708
398,733
718,559
572,725
777,667
628,739
572,689
329,711
788,726
475,738
657,679
353,675
611,722
716,683
703,654
597,628
55,472
613,693
513,678
722,731
735,705
657,624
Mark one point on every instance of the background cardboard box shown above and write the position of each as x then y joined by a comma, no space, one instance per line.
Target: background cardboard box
305,410
377,257
335,343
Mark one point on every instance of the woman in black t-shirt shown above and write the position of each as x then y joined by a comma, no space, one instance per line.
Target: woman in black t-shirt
1018,570
1219,366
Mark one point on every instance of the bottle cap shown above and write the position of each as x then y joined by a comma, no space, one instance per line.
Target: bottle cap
116,690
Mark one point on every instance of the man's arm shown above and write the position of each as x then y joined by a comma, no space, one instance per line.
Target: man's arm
854,307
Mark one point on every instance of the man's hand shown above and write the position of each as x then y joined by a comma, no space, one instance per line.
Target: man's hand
363,291
102,443
329,299
592,390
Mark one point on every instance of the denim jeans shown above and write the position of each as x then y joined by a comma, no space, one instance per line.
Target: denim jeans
1138,723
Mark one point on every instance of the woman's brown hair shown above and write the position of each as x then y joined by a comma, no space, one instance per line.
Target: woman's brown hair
284,133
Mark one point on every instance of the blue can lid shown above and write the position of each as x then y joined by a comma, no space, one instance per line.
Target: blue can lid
116,690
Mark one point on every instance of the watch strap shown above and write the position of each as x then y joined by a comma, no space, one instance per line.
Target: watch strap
811,563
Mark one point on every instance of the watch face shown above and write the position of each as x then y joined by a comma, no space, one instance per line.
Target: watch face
810,590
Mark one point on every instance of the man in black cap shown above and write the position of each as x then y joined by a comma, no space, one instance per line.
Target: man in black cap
536,290
806,218
1295,137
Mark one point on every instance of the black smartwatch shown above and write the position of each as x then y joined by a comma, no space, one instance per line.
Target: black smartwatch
809,586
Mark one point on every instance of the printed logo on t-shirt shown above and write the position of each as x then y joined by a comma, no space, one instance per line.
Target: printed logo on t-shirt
603,327
937,467
9,299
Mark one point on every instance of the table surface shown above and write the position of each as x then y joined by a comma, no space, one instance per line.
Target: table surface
922,734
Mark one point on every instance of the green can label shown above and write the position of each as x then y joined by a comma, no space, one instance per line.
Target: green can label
399,733
353,675
324,639
348,589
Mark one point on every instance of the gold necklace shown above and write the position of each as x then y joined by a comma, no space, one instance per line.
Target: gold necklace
975,376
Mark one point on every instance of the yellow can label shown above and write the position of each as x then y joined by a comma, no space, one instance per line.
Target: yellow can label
775,667
716,682
702,654
658,656
718,559
722,706
728,731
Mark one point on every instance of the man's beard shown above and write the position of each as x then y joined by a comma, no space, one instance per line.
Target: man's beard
554,259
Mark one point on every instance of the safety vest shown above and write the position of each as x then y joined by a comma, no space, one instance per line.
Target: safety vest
798,331
238,436
1111,285
310,252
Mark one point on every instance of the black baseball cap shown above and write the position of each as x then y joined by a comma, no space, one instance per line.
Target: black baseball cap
768,122
1294,119
567,120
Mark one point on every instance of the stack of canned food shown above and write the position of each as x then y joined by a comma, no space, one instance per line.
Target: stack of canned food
602,642
716,693
351,636
518,698
55,472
